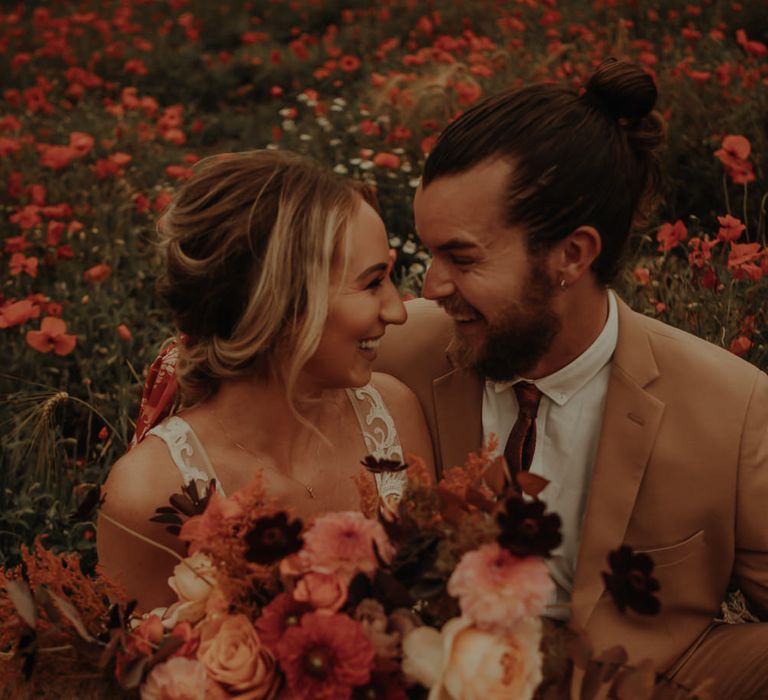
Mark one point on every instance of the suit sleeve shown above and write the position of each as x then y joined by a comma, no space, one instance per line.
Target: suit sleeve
751,565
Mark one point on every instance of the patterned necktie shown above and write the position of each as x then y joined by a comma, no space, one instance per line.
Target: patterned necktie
522,440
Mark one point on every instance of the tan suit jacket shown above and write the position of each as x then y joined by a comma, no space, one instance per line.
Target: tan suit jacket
681,471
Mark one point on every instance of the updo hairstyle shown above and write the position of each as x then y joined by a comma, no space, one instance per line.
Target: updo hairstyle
589,159
250,242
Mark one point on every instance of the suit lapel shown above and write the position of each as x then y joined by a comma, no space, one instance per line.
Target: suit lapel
458,405
631,420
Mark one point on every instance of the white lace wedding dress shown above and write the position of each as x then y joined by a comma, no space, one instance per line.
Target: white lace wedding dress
376,426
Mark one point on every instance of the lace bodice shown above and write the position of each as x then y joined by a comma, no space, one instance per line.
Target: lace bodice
376,426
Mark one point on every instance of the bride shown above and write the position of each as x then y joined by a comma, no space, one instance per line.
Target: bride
277,275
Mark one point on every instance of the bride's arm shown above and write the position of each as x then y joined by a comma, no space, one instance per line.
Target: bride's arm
409,419
139,482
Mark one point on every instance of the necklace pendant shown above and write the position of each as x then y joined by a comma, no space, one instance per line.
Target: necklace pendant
310,492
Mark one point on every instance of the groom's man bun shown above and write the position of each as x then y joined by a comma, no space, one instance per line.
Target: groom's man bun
588,159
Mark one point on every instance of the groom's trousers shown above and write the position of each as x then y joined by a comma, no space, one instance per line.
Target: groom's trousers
735,656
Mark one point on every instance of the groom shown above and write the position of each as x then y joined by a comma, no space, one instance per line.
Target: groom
649,436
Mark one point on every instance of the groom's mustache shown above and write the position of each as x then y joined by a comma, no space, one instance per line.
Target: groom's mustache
456,306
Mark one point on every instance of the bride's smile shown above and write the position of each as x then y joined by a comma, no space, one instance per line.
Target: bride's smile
362,302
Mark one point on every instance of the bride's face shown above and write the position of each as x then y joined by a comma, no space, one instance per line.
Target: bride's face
363,301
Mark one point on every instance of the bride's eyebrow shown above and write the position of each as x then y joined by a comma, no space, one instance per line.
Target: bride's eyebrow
378,267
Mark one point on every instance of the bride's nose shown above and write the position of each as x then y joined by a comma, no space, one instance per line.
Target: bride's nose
392,308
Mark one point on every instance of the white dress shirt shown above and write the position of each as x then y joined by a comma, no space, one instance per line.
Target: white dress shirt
567,435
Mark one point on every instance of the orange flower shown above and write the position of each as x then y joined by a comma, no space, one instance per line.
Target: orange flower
20,263
52,336
386,160
669,235
97,273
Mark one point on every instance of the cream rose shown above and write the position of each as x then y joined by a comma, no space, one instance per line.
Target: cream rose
176,679
192,581
465,663
232,653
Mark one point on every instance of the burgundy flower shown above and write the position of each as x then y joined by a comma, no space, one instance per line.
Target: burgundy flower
273,538
630,583
526,530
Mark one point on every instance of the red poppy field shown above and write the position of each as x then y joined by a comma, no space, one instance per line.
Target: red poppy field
107,105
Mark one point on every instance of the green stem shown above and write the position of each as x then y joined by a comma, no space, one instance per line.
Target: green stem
152,542
725,192
761,238
744,212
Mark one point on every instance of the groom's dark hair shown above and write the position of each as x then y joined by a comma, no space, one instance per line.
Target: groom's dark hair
577,160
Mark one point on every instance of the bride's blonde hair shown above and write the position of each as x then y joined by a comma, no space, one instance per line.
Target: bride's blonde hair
250,242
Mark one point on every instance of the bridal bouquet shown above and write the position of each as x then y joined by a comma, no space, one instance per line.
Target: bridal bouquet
441,598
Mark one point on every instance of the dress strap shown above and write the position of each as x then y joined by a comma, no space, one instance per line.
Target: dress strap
187,452
380,435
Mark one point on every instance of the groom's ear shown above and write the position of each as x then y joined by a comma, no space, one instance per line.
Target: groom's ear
575,254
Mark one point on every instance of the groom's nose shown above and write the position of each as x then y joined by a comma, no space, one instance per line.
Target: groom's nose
438,283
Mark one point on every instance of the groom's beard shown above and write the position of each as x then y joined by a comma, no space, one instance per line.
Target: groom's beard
517,338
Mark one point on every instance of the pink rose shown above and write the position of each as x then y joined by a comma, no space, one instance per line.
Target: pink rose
232,654
496,589
178,678
324,592
343,543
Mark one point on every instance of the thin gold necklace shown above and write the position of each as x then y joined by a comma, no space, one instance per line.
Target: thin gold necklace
307,488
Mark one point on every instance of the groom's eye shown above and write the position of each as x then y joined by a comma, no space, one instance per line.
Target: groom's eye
461,261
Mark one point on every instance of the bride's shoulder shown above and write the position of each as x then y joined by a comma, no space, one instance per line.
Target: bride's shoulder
140,477
395,394
405,409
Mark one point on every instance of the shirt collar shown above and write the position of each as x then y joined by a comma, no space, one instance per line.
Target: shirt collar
560,386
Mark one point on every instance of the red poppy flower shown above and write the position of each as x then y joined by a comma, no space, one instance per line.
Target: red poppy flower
97,273
81,142
742,253
57,157
731,228
18,312
325,656
740,346
669,235
27,216
20,263
52,336
8,145
349,64
178,172
55,232
386,160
